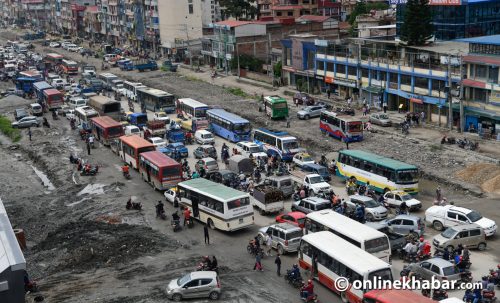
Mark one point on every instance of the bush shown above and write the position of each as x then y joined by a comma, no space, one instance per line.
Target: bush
253,64
237,92
5,127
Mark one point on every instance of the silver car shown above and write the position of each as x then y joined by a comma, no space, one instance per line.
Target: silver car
406,224
380,119
198,284
309,112
209,164
373,209
437,267
285,237
29,121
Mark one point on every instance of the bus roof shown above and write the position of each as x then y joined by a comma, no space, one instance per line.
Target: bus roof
41,85
345,252
108,75
106,121
228,116
154,91
396,296
138,114
213,189
159,159
54,55
387,162
52,91
275,99
275,133
30,73
136,141
346,118
356,230
192,102
68,61
27,79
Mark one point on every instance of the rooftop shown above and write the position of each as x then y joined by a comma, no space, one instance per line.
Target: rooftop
232,23
286,7
214,189
10,252
491,40
313,18
388,162
446,47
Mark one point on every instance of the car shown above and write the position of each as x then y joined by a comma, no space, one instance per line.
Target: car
470,235
198,284
395,198
59,83
380,119
301,159
296,218
313,168
175,147
450,215
310,112
204,151
310,204
303,98
74,48
210,165
161,116
85,51
70,114
29,121
373,209
284,237
20,113
158,142
315,184
246,148
405,224
223,176
437,268
397,241
203,136
170,194
324,105
54,44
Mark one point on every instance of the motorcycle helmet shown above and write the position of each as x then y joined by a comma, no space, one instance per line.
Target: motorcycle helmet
295,266
309,281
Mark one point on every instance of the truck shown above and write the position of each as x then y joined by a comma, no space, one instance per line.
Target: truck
88,71
154,128
143,65
138,119
175,135
25,84
268,199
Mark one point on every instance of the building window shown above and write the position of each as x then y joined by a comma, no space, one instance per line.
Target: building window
438,85
352,71
480,95
190,7
290,14
365,72
421,82
405,80
493,74
480,71
341,68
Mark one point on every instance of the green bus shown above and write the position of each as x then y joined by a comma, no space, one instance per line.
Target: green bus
276,107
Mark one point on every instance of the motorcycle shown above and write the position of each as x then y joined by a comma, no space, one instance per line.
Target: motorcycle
88,170
72,124
133,205
45,123
310,298
295,282
466,276
254,250
439,294
405,129
176,225
448,140
126,174
54,116
203,266
73,159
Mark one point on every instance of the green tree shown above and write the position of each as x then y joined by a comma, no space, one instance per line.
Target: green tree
239,9
277,70
417,27
359,9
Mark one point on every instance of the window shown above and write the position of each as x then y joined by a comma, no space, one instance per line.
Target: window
278,14
480,71
193,283
426,265
290,14
475,232
352,71
435,269
463,234
205,281
493,74
462,218
452,215
190,7
405,80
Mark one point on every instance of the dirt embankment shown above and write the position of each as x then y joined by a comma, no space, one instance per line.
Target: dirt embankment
486,175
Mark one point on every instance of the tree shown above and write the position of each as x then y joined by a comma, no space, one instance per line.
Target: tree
277,70
359,9
417,26
238,9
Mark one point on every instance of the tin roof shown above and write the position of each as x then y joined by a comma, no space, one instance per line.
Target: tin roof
232,23
214,189
491,40
11,255
106,121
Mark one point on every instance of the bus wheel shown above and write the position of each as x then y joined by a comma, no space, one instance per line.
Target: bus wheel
211,224
343,297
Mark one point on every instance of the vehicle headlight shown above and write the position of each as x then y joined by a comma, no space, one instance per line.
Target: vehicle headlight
169,291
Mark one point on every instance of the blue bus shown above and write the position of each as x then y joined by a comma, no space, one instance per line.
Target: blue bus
229,126
156,100
279,144
25,84
138,119
39,87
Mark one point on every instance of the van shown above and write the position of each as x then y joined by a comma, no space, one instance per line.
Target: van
20,113
308,205
76,102
470,235
110,57
204,137
132,130
51,77
283,183
285,237
36,109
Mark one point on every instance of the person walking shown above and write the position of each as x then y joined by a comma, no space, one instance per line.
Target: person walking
269,245
364,110
258,264
288,121
346,144
422,118
328,93
277,261
207,236
29,132
88,147
385,108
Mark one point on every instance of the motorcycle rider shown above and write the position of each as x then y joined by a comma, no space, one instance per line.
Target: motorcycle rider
307,289
360,213
214,264
403,208
410,248
175,218
160,211
294,274
125,170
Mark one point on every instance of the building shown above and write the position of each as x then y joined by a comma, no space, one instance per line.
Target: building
12,262
378,24
456,19
330,8
35,11
298,55
481,86
287,8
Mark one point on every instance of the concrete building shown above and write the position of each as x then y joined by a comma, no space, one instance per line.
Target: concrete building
298,55
378,24
330,8
12,262
287,8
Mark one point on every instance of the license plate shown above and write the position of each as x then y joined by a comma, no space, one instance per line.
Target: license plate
241,220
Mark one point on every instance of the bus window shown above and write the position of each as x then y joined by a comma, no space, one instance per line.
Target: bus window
343,126
354,127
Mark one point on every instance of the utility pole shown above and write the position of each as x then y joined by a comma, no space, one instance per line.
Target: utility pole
188,47
461,97
450,110
238,58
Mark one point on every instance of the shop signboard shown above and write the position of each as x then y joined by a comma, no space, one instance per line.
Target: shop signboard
346,82
415,97
431,2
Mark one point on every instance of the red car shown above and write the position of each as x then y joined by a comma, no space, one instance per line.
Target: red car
296,218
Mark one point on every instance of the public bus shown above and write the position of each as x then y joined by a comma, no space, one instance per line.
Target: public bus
360,235
330,257
84,114
279,144
384,174
191,108
69,67
156,100
345,128
33,74
131,146
159,170
276,107
216,205
106,106
396,296
106,129
130,89
53,98
53,60
107,80
39,87
228,125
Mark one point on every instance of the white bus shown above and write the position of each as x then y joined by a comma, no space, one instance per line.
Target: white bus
84,114
329,257
107,79
279,144
130,89
217,205
191,108
360,235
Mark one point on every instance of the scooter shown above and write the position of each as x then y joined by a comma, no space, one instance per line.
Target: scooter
126,174
295,282
176,225
91,171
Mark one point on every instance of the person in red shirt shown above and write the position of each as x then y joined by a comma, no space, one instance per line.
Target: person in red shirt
307,289
187,216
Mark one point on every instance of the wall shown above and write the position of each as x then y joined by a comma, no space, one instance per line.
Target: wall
177,23
257,46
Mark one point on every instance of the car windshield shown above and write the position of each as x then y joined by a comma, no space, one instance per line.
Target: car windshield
316,179
371,203
474,216
407,176
301,221
322,206
450,270
307,159
449,233
290,145
207,136
406,197
210,163
254,149
184,280
161,115
211,149
383,117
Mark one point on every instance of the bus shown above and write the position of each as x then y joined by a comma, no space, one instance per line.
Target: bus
156,100
229,126
53,98
345,128
279,144
53,60
396,296
33,74
384,174
106,106
191,108
216,205
276,107
69,67
159,170
106,129
360,235
107,80
84,114
39,87
130,89
330,257
131,146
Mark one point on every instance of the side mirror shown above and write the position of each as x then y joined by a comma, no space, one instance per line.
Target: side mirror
389,223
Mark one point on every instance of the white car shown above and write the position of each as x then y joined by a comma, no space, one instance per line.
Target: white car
395,198
70,114
373,209
158,142
65,44
59,83
161,116
170,195
250,148
73,48
301,159
55,44
315,184
441,217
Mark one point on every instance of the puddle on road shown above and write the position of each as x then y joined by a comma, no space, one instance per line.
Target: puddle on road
92,189
45,180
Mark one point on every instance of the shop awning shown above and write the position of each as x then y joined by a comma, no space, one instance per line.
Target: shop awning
415,100
373,89
482,112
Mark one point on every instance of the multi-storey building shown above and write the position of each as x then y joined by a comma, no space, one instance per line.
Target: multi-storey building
287,8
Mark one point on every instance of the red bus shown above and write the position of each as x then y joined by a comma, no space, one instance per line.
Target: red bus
53,98
346,129
130,147
159,170
53,60
69,67
394,296
106,128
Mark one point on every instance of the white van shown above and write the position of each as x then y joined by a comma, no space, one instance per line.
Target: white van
76,102
132,130
109,57
36,109
204,137
50,77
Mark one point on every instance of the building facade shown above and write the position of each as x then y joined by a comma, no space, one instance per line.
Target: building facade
287,8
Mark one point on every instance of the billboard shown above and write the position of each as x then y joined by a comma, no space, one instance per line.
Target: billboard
431,2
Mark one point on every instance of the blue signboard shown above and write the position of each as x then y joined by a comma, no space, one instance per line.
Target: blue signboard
425,99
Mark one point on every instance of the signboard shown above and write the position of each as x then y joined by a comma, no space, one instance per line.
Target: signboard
323,43
410,96
431,2
328,80
297,54
495,96
345,82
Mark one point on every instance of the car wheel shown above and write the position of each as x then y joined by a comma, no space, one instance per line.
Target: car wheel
481,246
281,250
177,297
437,225
414,235
450,248
306,117
211,224
214,295
369,217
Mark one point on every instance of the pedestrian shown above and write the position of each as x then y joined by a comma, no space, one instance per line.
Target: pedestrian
277,261
296,101
439,194
385,108
422,117
368,108
207,236
400,108
328,93
258,265
88,147
349,100
269,245
29,132
287,121
364,110
346,143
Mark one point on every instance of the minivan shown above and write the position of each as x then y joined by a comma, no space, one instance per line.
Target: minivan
283,183
110,57
204,137
470,235
76,102
20,113
36,109
285,237
308,205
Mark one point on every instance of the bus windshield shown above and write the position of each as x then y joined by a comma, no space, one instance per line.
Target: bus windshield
382,275
243,128
376,245
170,171
407,176
200,113
145,149
355,126
290,145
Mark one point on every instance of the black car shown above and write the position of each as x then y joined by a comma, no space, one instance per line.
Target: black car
303,98
223,176
20,113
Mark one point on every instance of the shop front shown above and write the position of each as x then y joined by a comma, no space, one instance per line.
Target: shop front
410,102
374,96
485,122
344,88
